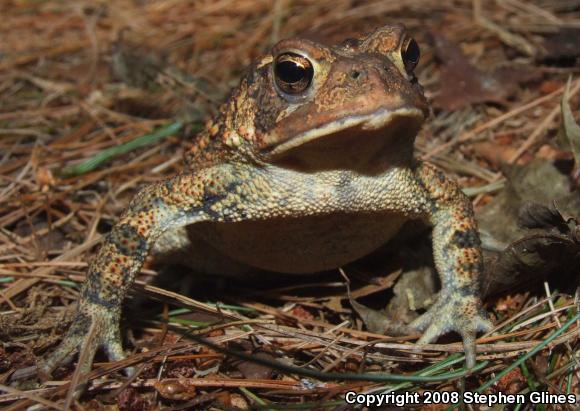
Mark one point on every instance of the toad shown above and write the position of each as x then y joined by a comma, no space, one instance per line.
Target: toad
308,166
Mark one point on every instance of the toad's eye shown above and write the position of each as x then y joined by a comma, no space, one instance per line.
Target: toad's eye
293,73
410,53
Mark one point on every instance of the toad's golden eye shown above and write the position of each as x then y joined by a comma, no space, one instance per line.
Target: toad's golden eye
410,53
293,73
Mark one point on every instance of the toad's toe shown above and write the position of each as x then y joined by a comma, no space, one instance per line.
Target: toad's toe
92,327
460,314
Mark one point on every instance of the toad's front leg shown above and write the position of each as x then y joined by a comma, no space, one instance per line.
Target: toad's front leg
181,200
458,259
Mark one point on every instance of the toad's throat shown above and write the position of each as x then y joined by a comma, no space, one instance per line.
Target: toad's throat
365,143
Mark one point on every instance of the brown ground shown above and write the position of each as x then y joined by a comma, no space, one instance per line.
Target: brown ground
77,78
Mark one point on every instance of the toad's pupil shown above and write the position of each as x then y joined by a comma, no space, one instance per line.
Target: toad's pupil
411,53
290,71
293,74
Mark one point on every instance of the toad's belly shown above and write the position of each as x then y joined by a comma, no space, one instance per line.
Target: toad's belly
301,245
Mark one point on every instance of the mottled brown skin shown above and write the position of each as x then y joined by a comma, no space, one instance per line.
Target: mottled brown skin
299,183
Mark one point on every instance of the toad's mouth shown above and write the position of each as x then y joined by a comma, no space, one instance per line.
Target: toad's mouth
352,141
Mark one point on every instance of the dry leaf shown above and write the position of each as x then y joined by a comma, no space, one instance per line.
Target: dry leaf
174,389
375,320
130,400
562,47
512,382
254,371
528,256
569,134
300,312
551,248
44,177
238,401
461,83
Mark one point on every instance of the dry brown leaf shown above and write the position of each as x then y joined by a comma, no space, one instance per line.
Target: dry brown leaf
254,371
569,134
238,401
130,400
512,382
562,47
461,83
375,321
173,389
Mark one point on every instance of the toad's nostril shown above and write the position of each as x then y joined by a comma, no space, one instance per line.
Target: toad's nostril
355,74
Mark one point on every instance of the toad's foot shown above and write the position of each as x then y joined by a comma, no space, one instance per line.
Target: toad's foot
94,326
454,312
